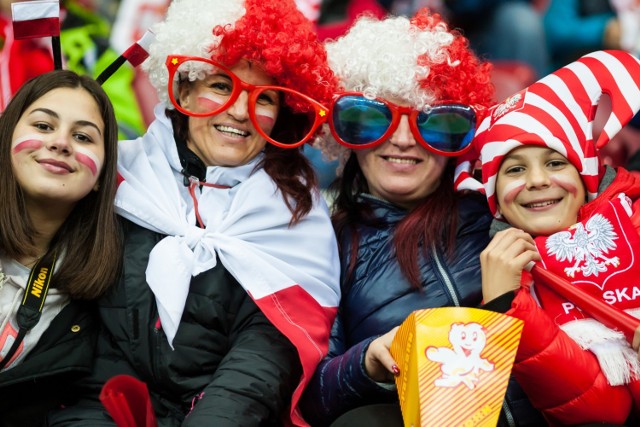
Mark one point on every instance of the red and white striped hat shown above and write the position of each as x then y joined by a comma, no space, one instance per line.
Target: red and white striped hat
556,112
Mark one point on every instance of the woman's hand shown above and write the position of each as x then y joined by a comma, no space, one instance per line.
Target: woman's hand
378,361
503,260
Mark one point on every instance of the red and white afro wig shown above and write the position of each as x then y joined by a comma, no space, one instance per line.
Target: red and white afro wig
556,112
271,33
418,60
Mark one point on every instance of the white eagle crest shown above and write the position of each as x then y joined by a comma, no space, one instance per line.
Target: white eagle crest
507,105
588,246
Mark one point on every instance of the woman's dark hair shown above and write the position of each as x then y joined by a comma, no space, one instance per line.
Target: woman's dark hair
89,239
434,218
289,168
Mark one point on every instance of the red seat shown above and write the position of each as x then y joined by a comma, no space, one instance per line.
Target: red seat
510,77
355,8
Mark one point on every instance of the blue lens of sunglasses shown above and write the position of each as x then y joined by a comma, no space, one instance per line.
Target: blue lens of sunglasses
448,128
360,121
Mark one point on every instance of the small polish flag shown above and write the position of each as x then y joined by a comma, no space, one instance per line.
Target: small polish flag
135,54
37,18
139,51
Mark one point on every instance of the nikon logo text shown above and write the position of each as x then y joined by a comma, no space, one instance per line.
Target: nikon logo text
38,284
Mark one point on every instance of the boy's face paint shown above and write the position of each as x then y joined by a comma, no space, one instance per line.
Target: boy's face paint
58,148
512,189
538,190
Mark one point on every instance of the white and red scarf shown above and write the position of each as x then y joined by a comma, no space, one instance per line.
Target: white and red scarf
598,255
292,272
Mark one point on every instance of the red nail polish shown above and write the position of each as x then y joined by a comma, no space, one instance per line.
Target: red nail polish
396,370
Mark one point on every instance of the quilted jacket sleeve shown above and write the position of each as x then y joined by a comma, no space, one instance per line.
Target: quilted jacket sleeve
340,382
561,379
253,384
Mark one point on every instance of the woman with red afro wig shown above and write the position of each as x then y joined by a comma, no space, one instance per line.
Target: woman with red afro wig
413,93
230,279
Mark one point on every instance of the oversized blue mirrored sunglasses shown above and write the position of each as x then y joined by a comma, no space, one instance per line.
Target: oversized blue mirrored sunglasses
359,122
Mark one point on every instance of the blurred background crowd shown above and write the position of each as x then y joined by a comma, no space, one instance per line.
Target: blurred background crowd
525,40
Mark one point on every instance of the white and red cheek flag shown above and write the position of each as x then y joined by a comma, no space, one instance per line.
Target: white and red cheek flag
292,272
37,18
597,256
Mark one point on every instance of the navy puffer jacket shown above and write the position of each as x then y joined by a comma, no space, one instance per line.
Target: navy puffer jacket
378,297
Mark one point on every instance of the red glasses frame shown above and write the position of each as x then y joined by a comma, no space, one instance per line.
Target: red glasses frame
173,62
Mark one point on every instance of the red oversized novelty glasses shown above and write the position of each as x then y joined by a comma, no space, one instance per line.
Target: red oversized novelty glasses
208,88
359,122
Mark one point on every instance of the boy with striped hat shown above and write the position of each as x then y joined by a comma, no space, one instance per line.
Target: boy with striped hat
557,205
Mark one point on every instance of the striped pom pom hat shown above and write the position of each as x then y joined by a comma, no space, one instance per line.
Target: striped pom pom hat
556,112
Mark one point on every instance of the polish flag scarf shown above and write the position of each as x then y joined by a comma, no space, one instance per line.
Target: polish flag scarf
597,255
292,273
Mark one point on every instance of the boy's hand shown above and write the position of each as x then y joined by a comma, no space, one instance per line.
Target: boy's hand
503,260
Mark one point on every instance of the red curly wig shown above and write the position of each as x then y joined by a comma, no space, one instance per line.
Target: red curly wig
469,82
289,51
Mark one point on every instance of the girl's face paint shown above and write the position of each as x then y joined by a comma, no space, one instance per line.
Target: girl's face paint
58,148
538,190
89,159
267,105
27,142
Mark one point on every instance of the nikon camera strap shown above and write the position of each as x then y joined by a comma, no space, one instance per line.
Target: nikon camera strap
33,302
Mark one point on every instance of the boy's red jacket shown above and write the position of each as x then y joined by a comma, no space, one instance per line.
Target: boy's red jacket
548,359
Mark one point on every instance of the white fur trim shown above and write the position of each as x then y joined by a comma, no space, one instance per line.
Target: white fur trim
618,361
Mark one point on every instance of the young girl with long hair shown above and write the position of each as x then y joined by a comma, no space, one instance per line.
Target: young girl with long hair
59,238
